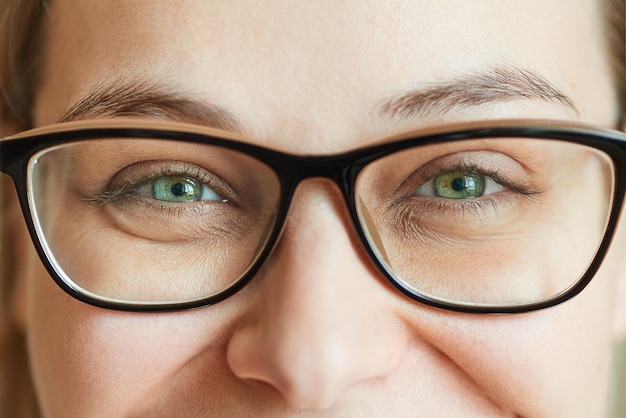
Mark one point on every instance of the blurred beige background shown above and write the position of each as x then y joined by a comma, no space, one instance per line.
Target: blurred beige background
619,394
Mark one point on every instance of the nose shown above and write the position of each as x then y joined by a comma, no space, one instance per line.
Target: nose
320,325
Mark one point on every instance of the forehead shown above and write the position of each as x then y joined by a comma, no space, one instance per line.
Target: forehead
324,65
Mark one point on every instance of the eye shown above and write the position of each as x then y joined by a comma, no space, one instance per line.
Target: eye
178,189
459,185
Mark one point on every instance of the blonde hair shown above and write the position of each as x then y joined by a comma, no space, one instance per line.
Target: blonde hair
20,56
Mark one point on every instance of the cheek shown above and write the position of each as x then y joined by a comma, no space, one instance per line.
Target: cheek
91,362
542,363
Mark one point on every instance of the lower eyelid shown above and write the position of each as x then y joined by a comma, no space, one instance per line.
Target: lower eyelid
443,206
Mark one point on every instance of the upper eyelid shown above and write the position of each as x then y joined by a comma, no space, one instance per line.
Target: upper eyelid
430,169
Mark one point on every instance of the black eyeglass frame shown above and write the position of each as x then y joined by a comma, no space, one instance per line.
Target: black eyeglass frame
343,169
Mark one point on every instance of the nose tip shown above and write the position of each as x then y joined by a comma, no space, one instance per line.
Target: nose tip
317,375
309,371
309,383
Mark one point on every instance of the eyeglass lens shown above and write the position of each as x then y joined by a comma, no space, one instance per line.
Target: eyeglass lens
488,222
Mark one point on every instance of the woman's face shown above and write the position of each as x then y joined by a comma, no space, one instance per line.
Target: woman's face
318,332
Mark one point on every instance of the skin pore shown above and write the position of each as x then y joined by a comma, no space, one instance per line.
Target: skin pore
318,332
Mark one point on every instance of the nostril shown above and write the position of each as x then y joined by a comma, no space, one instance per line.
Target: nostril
293,396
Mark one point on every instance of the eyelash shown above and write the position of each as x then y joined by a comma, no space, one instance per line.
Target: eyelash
477,207
476,169
129,188
410,207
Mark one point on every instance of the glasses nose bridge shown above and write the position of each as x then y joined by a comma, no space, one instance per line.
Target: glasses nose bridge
295,170
339,170
333,168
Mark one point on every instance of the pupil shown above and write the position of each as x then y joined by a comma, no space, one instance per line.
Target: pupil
178,189
458,184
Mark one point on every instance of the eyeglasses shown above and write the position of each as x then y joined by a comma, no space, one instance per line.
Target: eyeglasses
152,216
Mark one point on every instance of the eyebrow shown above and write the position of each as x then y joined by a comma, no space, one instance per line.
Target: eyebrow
149,100
496,84
142,99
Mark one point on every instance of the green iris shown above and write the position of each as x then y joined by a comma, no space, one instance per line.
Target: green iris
459,185
177,189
